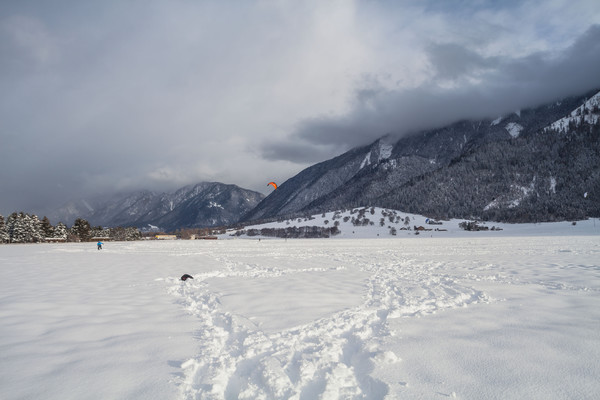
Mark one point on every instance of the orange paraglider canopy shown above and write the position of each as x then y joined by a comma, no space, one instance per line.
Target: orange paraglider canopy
272,184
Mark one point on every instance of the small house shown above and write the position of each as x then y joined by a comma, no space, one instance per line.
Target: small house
166,237
55,240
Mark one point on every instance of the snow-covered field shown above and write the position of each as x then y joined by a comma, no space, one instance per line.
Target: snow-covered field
483,315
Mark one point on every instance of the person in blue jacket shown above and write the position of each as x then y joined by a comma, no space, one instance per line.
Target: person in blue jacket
100,245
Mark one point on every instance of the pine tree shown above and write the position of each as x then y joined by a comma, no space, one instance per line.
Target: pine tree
47,228
27,225
81,228
10,225
60,231
34,229
4,238
16,228
133,233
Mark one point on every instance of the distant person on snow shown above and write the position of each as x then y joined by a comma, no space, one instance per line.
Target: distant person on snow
100,245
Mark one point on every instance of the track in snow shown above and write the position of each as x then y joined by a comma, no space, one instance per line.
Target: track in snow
331,357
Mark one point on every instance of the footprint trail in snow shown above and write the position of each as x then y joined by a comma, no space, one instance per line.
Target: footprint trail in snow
329,358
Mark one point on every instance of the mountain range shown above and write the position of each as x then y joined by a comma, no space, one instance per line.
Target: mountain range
205,204
536,164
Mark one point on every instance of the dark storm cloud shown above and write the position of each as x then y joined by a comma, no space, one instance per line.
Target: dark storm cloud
297,152
452,61
101,96
98,97
464,85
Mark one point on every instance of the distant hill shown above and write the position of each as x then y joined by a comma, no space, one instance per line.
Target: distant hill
375,222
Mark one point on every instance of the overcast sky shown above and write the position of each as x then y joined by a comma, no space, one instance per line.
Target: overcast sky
105,96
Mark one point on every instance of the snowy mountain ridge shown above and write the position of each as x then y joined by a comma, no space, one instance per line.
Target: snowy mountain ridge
321,179
515,168
587,113
532,165
204,204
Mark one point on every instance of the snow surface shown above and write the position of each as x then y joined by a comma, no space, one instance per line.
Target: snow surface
385,150
584,113
470,315
213,204
448,229
514,197
366,161
553,184
513,129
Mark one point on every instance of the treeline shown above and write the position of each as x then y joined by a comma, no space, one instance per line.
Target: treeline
187,233
28,228
303,232
474,226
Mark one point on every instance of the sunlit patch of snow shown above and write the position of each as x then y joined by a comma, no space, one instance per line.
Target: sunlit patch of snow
366,161
513,198
494,204
553,184
513,129
385,151
390,164
584,113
